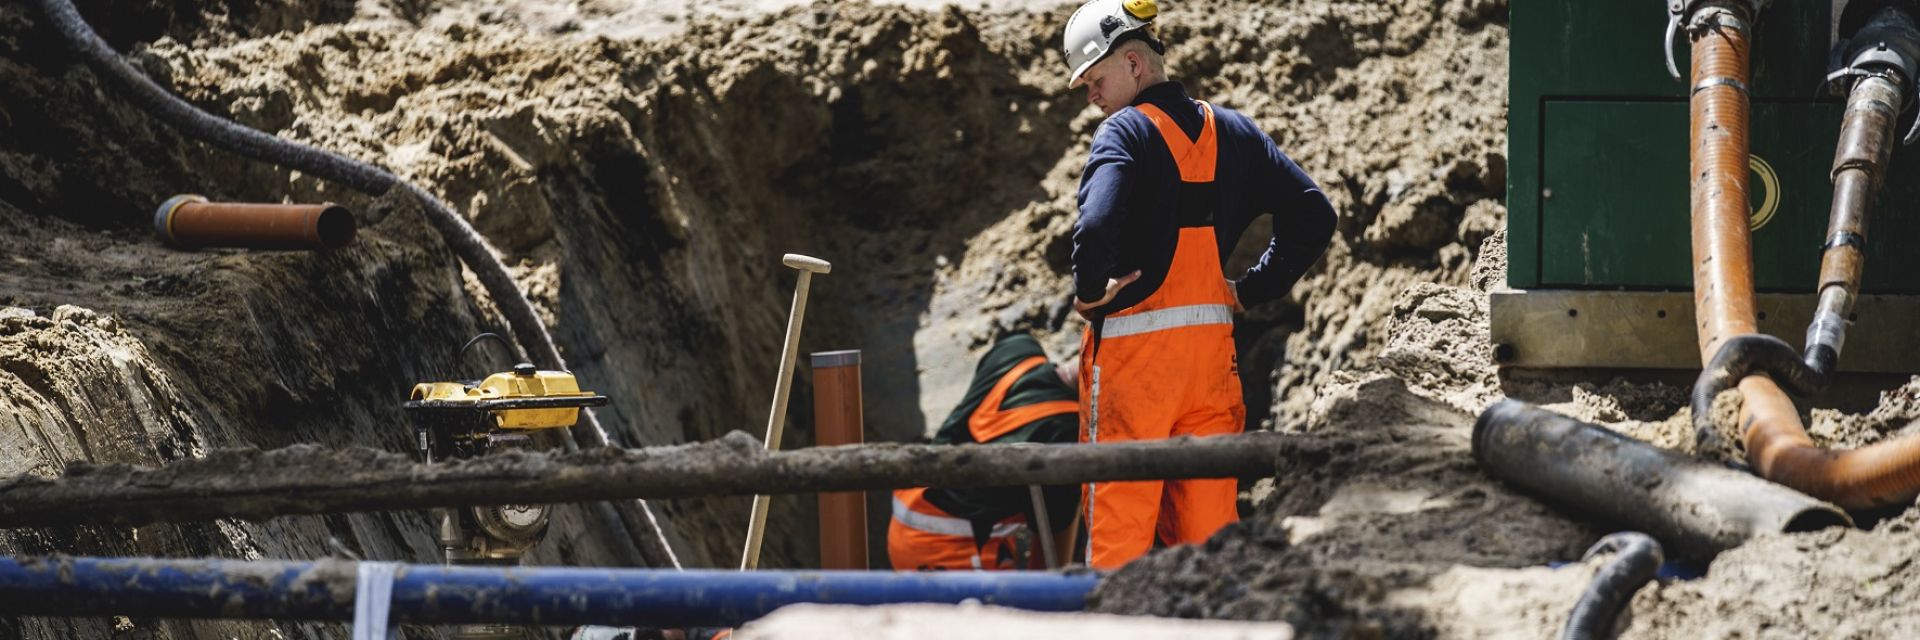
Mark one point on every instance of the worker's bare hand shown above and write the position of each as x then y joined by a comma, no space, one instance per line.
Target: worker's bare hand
1113,289
1233,290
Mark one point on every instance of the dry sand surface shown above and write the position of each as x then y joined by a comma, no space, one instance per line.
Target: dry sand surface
642,166
968,621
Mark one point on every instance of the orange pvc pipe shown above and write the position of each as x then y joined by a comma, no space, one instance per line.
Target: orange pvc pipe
1777,444
192,221
838,420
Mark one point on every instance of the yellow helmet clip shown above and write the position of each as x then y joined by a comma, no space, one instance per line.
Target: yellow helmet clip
1142,9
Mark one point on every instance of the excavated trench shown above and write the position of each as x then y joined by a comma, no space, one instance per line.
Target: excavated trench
643,191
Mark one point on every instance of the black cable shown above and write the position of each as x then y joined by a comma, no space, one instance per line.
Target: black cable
467,244
1638,561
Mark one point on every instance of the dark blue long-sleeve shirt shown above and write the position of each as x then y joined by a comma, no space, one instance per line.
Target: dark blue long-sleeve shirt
1128,206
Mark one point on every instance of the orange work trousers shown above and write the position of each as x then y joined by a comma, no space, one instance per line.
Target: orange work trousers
1165,367
924,538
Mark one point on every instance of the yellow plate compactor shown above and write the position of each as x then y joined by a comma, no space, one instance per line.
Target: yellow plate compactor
472,418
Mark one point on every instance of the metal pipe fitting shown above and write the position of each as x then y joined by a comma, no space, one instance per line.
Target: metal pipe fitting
190,221
1695,507
440,594
1697,17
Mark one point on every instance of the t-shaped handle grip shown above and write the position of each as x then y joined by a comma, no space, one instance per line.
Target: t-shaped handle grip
806,263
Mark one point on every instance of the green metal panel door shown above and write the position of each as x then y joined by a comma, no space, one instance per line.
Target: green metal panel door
1597,195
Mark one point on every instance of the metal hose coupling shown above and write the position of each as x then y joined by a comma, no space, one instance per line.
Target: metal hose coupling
1887,46
1701,16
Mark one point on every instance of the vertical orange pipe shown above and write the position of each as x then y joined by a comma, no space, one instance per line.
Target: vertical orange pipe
1722,241
837,420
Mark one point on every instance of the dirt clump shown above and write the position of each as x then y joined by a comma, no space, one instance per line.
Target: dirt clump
1388,529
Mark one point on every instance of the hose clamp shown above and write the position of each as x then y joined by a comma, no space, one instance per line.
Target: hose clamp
1895,68
1845,239
1883,56
1720,81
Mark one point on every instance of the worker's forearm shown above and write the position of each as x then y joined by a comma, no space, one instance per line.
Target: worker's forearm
1301,234
1093,244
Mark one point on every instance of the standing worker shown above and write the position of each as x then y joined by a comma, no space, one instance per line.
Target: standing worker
1167,191
1016,396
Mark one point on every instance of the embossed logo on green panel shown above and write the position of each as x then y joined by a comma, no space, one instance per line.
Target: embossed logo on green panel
1763,189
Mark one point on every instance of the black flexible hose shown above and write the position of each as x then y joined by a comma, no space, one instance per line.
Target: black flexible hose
362,177
1746,355
467,244
1637,561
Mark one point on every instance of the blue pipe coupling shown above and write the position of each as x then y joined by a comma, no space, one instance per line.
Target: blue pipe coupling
440,594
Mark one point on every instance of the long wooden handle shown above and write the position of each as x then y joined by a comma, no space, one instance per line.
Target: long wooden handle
777,418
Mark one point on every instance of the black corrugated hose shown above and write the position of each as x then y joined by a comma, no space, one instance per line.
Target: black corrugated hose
466,243
1637,560
1745,355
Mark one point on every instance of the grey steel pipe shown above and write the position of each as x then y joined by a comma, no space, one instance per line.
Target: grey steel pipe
1694,507
190,221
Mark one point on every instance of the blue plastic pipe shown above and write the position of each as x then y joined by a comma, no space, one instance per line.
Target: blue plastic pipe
439,594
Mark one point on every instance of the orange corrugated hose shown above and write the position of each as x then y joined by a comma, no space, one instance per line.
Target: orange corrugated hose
1777,444
1722,248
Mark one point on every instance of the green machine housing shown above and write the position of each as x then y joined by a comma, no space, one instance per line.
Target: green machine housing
1599,262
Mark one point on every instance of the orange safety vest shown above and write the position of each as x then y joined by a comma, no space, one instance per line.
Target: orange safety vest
923,537
1162,368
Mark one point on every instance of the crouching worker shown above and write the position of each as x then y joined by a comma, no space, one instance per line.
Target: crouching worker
1016,397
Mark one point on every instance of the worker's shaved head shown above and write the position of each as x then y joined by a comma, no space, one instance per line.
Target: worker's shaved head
1115,80
1156,63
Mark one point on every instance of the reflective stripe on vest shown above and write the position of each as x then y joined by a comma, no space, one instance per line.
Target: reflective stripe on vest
1163,319
946,525
989,421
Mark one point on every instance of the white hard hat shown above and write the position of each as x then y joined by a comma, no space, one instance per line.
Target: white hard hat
1097,25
